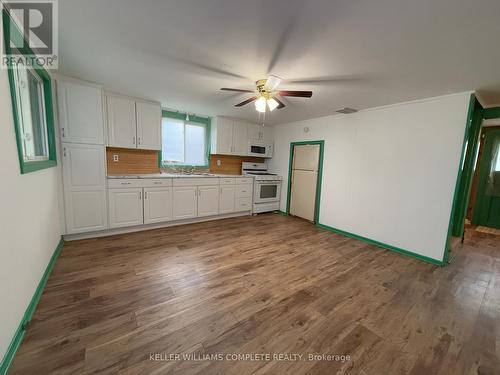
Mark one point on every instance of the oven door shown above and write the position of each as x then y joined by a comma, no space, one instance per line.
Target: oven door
267,191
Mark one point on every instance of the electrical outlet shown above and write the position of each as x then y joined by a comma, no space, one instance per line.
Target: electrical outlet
116,158
219,162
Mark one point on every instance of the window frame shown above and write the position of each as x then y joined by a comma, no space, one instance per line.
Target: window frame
195,120
27,166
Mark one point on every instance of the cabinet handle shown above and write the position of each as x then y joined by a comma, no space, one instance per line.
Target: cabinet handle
125,183
139,141
133,140
140,195
145,195
64,151
62,130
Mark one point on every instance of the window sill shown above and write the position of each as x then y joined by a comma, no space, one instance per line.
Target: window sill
33,166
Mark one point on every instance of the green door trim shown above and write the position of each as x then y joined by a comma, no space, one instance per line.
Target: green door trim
478,216
320,175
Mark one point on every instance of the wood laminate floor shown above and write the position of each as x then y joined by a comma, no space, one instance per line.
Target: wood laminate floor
124,304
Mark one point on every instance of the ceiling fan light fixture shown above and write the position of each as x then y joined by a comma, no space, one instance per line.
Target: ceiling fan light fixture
260,104
272,104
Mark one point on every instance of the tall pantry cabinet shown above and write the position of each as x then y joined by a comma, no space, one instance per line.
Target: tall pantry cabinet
81,128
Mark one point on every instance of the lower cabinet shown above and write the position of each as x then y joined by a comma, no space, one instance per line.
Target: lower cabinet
226,202
85,210
125,207
208,200
185,202
157,205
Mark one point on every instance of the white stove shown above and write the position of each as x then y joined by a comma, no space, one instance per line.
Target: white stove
267,187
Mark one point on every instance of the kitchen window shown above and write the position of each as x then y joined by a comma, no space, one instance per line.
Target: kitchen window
31,95
185,140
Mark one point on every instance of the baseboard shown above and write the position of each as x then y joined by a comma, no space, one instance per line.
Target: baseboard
21,330
143,227
282,213
383,245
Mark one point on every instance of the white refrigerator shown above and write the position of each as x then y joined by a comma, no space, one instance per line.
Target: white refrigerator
304,181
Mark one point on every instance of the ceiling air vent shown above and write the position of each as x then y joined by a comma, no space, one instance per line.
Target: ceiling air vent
347,110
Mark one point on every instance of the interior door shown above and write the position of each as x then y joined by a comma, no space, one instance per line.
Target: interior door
208,200
80,113
487,210
121,121
157,205
148,126
304,181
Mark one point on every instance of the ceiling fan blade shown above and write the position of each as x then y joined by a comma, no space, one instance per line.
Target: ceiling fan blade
297,94
280,103
237,90
253,98
272,82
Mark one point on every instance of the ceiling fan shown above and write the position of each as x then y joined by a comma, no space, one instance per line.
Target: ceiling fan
267,95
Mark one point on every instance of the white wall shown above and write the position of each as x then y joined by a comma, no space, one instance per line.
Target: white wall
389,173
29,224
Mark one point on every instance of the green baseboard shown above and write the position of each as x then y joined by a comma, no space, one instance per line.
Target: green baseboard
383,245
21,330
282,213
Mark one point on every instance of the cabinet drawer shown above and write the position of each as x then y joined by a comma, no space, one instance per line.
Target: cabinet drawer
195,181
116,183
227,180
243,204
158,182
245,180
243,191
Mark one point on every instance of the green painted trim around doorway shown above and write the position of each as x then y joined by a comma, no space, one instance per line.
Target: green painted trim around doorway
21,329
320,175
383,245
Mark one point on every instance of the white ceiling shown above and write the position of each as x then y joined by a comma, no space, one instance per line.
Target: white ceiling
372,52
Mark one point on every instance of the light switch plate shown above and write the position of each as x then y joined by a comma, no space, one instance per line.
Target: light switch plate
116,158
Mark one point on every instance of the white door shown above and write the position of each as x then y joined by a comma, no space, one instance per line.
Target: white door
80,113
125,207
226,202
121,121
157,204
185,202
240,138
304,181
224,136
85,210
253,131
84,166
148,126
208,200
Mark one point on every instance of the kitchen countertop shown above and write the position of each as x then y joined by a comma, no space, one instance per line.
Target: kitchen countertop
179,175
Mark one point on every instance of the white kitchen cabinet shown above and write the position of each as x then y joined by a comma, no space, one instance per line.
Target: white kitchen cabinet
185,202
80,112
148,126
157,204
125,207
267,133
208,200
227,199
240,139
83,168
121,121
224,136
259,132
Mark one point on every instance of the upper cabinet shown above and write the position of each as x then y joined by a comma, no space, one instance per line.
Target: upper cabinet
133,123
80,112
232,136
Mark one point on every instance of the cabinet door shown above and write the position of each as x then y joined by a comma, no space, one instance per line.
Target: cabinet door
226,203
83,166
148,126
208,200
253,131
157,204
224,136
80,113
85,210
121,121
240,139
125,207
185,202
267,133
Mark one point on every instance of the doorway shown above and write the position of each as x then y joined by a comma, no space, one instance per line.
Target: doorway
304,179
486,206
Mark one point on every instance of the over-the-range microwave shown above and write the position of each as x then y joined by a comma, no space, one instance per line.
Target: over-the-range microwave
260,149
